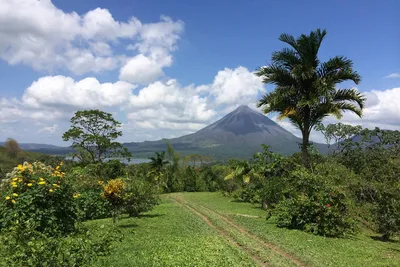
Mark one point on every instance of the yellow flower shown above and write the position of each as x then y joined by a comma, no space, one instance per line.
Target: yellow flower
100,182
56,185
15,179
42,182
8,197
29,184
41,179
15,194
51,190
14,185
13,201
76,195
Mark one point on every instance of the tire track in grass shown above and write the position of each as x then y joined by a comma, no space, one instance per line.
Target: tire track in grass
267,245
221,232
296,261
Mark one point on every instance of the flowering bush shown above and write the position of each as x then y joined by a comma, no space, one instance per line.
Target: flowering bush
113,192
37,197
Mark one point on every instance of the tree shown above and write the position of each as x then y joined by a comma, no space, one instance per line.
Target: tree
12,147
305,91
157,164
338,132
93,133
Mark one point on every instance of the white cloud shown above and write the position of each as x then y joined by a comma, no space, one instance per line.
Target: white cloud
48,129
38,34
393,75
168,104
64,91
140,69
234,86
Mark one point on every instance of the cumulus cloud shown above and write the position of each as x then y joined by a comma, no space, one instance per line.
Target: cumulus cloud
169,105
38,34
140,69
65,91
393,75
234,86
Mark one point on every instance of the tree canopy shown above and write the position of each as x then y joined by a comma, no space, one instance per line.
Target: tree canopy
93,134
305,88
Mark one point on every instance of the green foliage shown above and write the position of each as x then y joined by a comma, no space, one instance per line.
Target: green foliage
37,197
92,206
305,91
93,133
26,247
387,213
140,196
312,206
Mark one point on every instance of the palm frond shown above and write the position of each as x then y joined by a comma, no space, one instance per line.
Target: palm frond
351,95
345,106
287,58
289,39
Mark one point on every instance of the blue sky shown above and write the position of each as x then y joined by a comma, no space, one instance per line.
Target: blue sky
179,73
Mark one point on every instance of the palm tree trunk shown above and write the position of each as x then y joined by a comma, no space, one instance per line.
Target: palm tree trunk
304,149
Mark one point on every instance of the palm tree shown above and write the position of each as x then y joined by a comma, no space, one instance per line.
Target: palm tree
158,162
305,91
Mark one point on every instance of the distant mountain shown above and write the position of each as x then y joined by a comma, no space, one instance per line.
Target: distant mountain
239,134
43,148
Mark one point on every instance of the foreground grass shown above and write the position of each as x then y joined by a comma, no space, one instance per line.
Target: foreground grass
169,236
192,229
358,250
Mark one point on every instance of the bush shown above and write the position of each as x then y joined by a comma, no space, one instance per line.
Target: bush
92,206
140,196
39,220
313,206
37,196
387,213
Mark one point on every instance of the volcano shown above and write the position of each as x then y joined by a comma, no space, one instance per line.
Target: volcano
239,134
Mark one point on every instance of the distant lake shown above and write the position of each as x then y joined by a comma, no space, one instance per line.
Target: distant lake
132,161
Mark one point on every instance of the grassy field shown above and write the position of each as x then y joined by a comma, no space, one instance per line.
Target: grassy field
208,229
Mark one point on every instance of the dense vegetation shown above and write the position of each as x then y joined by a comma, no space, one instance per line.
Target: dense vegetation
57,212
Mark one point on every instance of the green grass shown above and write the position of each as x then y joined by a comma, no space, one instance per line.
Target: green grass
172,235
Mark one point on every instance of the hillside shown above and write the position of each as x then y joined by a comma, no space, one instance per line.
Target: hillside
7,163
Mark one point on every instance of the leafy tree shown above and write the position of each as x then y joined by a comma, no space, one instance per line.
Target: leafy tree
305,91
93,133
338,132
12,147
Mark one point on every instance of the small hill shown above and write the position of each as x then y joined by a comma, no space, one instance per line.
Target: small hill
7,163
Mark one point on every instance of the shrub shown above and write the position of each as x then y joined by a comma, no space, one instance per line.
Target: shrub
140,196
114,192
92,206
387,213
313,206
37,196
